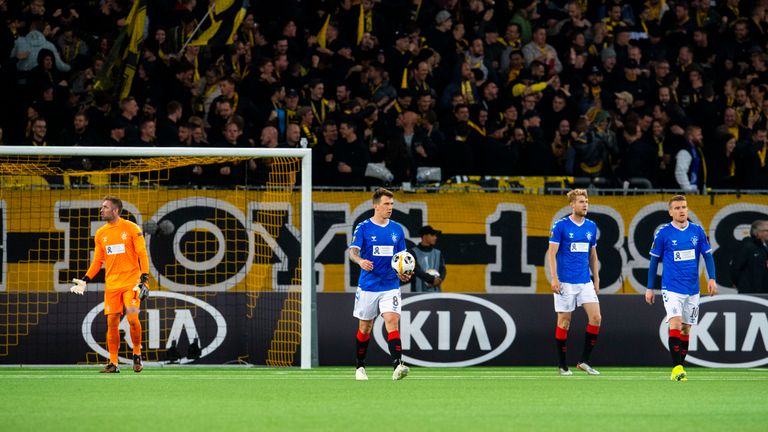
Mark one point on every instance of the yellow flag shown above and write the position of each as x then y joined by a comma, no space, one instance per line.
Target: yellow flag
323,32
360,25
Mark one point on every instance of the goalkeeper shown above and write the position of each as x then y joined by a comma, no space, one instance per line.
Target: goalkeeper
120,248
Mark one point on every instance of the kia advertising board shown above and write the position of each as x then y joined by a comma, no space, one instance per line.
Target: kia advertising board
437,330
452,330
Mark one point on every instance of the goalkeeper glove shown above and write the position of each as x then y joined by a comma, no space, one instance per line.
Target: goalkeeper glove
79,287
141,287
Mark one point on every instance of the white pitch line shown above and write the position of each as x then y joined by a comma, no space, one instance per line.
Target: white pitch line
344,377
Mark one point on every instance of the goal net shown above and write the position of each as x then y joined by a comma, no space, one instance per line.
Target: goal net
228,233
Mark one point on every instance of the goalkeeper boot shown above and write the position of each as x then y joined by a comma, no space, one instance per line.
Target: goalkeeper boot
678,374
565,372
401,371
360,374
587,368
137,364
110,368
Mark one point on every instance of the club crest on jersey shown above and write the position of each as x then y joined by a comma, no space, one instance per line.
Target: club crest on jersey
694,240
124,235
394,237
589,235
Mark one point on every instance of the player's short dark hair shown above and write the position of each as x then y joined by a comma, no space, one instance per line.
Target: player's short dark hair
381,192
677,198
117,202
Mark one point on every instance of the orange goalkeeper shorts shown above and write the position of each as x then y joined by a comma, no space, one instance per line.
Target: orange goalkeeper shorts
116,299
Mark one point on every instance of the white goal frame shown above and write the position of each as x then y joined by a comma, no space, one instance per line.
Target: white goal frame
308,327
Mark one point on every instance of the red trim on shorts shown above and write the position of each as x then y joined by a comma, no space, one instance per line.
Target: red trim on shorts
561,333
674,333
684,337
593,329
394,334
362,337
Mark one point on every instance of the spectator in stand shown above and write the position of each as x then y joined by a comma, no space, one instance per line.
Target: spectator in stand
539,50
168,127
39,133
351,155
129,109
724,166
324,165
690,171
79,134
147,133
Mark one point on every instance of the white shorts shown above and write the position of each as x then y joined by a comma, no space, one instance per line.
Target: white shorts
369,304
572,295
681,305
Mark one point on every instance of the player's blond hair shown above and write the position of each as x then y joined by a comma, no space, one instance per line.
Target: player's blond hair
676,198
575,193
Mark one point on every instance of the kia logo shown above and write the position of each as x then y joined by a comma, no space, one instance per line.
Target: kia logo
732,332
180,322
450,330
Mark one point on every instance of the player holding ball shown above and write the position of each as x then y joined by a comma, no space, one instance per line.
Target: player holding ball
376,244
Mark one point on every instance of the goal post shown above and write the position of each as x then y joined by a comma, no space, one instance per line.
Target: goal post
132,169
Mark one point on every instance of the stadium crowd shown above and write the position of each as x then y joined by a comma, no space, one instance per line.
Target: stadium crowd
673,92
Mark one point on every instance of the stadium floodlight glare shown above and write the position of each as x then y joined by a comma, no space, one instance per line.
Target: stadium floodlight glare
301,158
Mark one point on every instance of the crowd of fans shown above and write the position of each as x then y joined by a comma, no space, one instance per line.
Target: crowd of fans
672,92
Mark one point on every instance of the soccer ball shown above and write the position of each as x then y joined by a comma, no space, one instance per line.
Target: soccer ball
403,262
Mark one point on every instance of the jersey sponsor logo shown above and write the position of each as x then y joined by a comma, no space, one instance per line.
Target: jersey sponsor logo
373,238
165,326
115,249
383,250
685,255
579,247
674,242
732,332
433,325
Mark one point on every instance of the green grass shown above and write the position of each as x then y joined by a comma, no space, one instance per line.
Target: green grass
470,399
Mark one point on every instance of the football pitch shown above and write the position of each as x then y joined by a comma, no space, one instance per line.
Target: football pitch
329,399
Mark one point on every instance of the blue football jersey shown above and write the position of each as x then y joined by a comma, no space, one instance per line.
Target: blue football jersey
378,244
575,243
679,251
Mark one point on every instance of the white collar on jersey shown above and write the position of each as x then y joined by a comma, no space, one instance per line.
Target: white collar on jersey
382,226
574,222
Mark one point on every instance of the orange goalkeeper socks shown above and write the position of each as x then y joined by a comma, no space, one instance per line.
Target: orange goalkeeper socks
133,321
113,337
